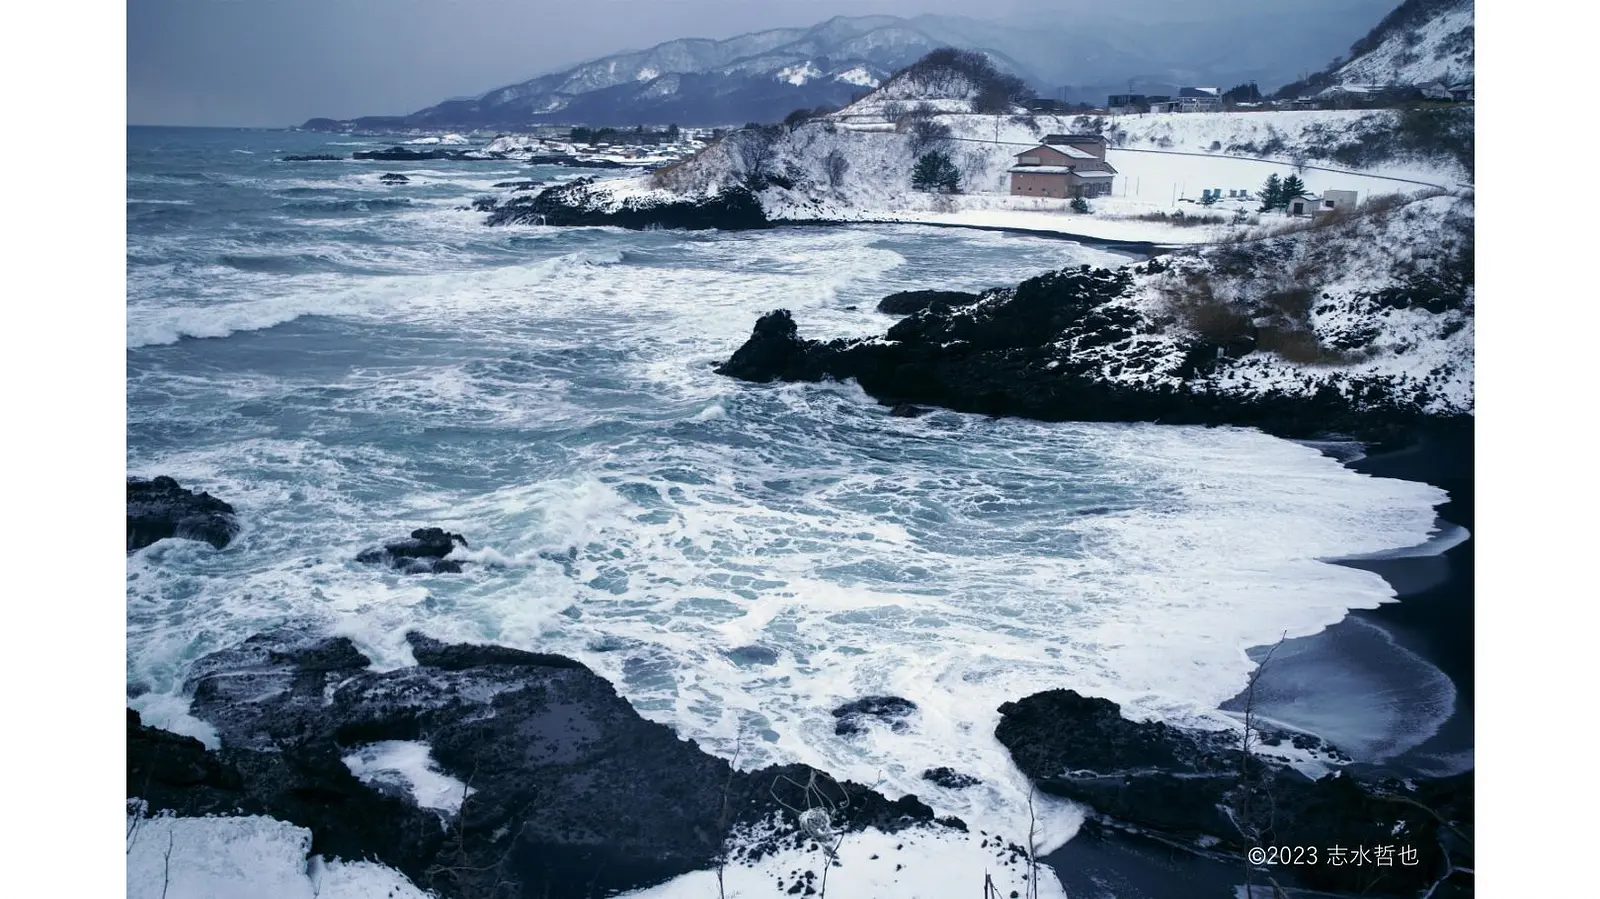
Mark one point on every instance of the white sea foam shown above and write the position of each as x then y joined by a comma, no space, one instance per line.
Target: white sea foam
628,507
409,765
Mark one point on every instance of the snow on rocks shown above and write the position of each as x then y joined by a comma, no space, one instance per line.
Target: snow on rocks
1355,323
918,863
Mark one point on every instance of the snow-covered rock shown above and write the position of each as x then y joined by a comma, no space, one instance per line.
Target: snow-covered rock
1355,323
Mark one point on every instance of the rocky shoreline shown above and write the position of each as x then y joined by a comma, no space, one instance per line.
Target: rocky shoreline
578,203
565,791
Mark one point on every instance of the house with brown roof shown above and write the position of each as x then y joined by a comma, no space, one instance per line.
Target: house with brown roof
1063,166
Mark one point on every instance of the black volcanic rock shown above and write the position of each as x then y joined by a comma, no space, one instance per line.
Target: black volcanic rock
516,186
401,154
1193,785
422,553
577,203
315,157
1019,352
394,178
908,302
950,778
574,794
159,508
890,710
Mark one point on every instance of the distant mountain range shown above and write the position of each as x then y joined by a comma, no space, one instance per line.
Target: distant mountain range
764,75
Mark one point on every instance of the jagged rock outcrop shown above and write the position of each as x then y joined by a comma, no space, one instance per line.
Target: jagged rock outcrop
572,794
159,508
907,302
577,203
854,717
424,552
1201,789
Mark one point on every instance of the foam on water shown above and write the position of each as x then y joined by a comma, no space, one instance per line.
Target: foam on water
409,765
549,394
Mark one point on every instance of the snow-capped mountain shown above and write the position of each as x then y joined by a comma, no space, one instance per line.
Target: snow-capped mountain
1421,42
760,76
1078,55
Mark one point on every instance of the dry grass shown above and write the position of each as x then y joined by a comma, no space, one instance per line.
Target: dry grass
1294,303
1194,303
1372,206
1183,220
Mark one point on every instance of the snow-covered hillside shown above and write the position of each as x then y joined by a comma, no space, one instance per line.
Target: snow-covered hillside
850,167
1382,297
1422,41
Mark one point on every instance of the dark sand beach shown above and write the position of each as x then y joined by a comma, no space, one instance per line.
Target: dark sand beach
1387,677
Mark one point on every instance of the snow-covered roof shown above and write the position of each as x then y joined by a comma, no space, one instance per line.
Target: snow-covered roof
1065,150
1059,170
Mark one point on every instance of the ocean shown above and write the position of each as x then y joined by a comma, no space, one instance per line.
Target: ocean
346,360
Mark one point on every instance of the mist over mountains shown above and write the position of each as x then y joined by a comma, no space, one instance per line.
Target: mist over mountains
762,75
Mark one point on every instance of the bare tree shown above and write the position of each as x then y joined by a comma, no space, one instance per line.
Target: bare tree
1248,827
928,135
166,861
1033,846
835,165
724,819
755,149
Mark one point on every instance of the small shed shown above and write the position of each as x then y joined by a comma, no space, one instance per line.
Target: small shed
1307,205
1337,200
1436,91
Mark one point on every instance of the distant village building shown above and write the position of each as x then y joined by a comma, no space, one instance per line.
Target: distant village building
1337,200
1306,205
1330,201
1436,91
1199,99
1064,166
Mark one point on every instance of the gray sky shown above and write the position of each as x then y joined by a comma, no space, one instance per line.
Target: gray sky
280,62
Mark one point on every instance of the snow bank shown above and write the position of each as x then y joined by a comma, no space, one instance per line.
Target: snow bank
246,858
911,864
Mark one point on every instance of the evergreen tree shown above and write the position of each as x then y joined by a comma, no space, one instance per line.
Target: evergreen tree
1079,205
1271,194
1293,189
935,171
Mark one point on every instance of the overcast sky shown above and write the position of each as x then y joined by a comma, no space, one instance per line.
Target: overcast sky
280,62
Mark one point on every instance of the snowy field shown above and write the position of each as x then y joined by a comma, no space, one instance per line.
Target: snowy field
1164,164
